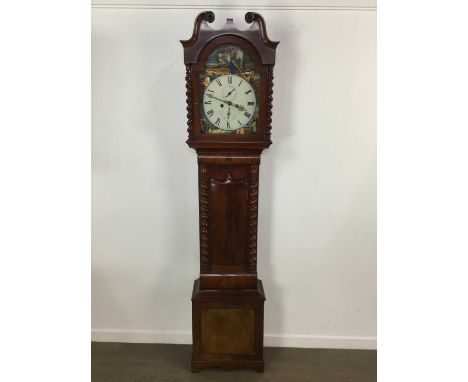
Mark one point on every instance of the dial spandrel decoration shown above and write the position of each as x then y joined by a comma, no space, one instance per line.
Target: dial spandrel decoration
230,87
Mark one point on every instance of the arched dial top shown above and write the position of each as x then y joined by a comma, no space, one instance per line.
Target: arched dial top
229,91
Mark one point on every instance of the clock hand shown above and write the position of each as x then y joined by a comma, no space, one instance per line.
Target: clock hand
230,92
240,107
219,99
229,112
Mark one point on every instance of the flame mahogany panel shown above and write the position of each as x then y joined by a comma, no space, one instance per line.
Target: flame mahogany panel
228,218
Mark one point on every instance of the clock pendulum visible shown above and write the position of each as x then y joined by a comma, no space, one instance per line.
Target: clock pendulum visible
229,74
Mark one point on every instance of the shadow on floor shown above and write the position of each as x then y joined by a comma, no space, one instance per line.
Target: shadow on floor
119,362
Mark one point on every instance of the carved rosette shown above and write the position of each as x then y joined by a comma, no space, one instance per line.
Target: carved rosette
204,257
253,216
269,104
188,86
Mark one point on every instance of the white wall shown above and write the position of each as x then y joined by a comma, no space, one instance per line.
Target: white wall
317,217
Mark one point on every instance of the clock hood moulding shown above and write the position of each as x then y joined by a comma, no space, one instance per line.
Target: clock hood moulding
256,35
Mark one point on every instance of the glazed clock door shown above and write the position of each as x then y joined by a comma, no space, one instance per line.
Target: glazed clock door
229,85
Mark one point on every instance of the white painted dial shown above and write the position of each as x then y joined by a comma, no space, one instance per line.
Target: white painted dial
229,102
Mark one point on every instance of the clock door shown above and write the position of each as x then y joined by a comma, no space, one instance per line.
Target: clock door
229,95
229,88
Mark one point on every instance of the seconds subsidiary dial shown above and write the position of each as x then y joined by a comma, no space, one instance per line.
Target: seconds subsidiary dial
229,102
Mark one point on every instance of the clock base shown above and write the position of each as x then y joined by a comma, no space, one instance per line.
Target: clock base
227,328
258,366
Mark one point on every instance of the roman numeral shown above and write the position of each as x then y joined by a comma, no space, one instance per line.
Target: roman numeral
240,83
218,81
217,122
209,90
240,123
247,114
207,102
228,125
248,103
210,113
248,91
229,80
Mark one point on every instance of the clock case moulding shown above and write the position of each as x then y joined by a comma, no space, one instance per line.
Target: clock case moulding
228,298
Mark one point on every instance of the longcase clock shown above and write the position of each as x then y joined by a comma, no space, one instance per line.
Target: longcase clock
229,74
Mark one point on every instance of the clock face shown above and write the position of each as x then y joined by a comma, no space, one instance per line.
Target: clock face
229,85
229,102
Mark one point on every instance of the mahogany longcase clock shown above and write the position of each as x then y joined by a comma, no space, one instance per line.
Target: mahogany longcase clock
229,74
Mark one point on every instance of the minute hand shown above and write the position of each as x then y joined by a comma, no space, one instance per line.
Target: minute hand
240,107
219,99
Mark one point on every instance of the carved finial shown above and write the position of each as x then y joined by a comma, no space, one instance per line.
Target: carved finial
257,21
200,22
208,16
250,17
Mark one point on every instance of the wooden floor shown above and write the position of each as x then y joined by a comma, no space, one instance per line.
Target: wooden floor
118,362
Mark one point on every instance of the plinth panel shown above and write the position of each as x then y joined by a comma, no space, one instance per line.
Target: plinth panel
227,328
227,331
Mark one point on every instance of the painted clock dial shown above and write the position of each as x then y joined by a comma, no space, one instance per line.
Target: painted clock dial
229,102
229,92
